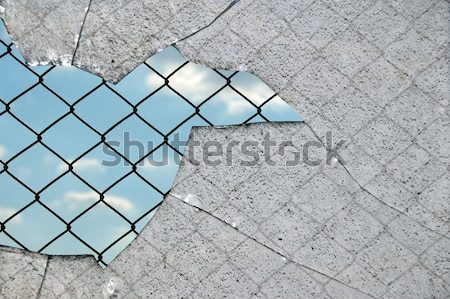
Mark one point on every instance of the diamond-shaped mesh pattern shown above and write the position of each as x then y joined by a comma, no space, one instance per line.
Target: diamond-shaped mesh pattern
98,111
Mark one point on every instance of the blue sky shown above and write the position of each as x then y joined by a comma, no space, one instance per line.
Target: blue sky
69,196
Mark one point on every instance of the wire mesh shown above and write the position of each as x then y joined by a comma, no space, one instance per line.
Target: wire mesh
131,107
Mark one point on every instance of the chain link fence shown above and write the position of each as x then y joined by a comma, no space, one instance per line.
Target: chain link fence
35,199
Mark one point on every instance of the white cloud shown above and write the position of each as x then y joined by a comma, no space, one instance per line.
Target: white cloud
49,158
81,196
89,164
155,166
258,93
154,79
194,81
24,172
238,105
3,151
120,202
116,201
7,212
192,77
62,167
234,104
278,104
148,166
83,164
122,230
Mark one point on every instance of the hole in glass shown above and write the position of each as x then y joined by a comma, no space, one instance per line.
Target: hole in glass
60,126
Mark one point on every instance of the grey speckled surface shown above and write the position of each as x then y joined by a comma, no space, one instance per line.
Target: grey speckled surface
45,31
375,73
107,38
262,232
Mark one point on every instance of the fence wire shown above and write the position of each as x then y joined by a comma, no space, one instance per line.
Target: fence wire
71,107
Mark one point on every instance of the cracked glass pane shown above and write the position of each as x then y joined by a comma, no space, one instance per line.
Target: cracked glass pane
84,164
